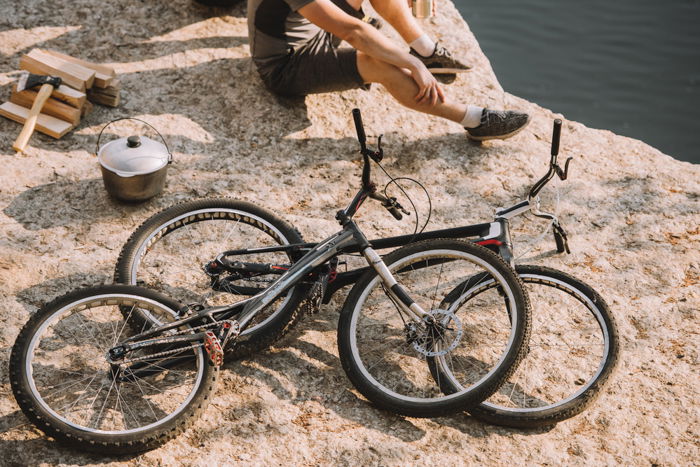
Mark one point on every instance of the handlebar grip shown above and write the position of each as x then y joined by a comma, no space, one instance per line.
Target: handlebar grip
395,212
556,133
359,127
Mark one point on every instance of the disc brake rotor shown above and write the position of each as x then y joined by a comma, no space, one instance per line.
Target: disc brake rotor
442,333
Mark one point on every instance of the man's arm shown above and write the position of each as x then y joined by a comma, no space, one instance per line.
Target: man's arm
367,39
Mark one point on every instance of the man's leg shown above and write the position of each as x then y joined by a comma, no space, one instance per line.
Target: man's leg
397,13
404,89
481,124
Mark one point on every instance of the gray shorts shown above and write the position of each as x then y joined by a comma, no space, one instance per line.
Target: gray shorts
316,67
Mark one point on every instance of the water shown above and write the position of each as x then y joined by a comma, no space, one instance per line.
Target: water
629,66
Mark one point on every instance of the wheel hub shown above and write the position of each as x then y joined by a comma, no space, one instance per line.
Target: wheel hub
441,334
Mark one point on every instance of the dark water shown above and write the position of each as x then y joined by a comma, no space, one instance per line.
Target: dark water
630,66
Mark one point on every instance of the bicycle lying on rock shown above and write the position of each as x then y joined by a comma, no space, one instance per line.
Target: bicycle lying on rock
434,327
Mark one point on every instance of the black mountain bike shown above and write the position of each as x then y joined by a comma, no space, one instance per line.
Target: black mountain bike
433,328
215,251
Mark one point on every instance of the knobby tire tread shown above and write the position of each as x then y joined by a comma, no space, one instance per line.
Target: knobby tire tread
103,444
476,395
245,346
553,415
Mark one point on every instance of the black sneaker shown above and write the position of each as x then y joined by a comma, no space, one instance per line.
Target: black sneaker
498,124
442,64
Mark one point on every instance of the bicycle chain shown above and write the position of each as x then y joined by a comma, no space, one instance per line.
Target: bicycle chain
160,354
174,351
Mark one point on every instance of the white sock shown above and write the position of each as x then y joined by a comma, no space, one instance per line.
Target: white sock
472,117
424,45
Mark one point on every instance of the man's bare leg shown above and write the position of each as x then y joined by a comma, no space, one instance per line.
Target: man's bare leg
400,84
404,89
397,13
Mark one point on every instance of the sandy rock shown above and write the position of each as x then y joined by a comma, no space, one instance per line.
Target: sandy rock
633,214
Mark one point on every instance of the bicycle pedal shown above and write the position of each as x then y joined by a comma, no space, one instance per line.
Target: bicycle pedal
213,348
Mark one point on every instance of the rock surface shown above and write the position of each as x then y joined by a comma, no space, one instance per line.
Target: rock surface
633,213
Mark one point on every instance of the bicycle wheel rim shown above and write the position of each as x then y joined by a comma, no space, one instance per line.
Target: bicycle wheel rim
483,380
561,407
600,320
73,306
202,215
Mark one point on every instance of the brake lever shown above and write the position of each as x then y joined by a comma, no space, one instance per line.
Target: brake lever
377,155
395,204
563,174
560,238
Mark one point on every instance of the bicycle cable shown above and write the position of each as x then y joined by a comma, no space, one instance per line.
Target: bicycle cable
394,180
547,228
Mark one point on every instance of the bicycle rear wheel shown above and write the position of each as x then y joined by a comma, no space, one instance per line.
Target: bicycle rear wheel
386,354
64,384
169,250
572,352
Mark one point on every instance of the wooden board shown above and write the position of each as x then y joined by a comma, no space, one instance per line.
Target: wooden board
108,96
46,124
73,75
70,96
104,75
52,107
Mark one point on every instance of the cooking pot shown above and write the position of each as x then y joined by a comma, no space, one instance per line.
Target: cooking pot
133,168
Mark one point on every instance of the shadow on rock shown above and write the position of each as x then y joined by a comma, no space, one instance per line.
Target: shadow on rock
62,203
38,295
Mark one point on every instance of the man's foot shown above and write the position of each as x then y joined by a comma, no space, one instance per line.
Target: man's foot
498,124
442,64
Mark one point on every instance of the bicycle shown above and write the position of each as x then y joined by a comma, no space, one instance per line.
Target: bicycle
567,311
121,368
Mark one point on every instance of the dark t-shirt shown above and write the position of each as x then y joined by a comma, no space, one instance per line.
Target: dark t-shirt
275,27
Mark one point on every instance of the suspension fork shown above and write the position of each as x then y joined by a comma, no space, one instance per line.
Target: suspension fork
396,292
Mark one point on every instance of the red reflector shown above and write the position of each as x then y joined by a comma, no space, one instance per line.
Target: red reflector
490,242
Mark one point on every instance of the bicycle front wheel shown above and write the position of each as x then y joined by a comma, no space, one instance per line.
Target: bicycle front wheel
64,383
572,352
386,354
168,253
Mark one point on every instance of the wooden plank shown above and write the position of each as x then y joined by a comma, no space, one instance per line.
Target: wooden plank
108,96
52,107
104,75
79,71
73,75
70,96
46,124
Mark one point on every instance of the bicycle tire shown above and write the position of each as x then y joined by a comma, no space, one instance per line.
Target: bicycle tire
59,358
187,233
566,381
401,381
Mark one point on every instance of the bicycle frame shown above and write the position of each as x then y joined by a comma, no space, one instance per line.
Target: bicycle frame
494,235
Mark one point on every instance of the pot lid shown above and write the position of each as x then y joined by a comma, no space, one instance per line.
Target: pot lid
135,155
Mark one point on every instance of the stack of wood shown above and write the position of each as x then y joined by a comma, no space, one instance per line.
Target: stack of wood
83,83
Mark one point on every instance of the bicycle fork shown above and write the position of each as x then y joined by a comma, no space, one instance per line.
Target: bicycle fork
396,292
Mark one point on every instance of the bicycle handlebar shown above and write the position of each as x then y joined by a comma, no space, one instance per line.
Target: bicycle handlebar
556,134
554,168
360,129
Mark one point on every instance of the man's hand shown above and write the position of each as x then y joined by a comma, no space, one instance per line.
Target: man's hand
428,89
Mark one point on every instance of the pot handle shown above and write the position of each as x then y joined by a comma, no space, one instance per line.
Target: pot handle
97,147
